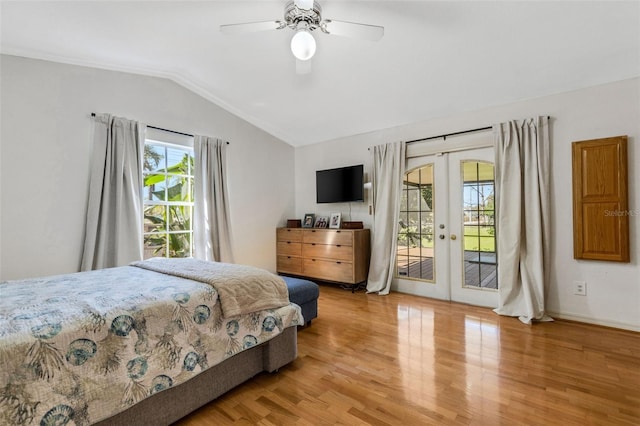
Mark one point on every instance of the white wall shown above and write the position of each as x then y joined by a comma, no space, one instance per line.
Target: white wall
45,149
613,289
45,133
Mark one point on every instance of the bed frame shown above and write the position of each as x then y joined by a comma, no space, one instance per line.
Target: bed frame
174,403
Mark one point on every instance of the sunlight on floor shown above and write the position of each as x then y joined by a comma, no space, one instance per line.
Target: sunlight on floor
427,380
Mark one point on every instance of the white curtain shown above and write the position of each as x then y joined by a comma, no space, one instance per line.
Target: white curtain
388,168
211,220
522,204
113,229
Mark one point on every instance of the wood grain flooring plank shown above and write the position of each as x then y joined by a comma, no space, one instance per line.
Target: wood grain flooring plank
406,360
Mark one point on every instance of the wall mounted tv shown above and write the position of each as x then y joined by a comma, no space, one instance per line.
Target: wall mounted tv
341,185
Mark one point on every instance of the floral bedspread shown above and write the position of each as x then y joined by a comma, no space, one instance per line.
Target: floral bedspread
78,348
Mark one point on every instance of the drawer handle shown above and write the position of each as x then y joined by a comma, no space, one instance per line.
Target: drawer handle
288,242
338,245
313,244
288,257
313,230
339,263
313,260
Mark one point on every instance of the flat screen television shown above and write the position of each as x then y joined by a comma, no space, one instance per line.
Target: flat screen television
341,185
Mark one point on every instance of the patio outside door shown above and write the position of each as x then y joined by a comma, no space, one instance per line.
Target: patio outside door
446,243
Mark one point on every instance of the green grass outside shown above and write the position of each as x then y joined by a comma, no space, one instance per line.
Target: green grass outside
485,243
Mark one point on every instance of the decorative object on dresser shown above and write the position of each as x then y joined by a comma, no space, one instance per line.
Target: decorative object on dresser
334,221
322,221
308,220
335,255
294,223
352,225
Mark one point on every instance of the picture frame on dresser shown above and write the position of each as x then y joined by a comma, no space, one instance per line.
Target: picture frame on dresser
322,221
334,220
309,220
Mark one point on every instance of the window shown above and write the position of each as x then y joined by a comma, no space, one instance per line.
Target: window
168,200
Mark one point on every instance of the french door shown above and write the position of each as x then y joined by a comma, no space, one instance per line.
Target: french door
447,238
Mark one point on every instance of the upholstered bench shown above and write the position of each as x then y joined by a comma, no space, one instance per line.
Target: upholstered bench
304,293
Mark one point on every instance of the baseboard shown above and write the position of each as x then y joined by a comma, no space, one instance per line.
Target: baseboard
595,321
410,287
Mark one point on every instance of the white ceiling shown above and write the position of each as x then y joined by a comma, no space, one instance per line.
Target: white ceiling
436,57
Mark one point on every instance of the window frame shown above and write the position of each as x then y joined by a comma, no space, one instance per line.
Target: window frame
167,204
405,210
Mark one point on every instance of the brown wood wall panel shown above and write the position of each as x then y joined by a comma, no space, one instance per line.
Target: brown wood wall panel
600,232
600,199
600,172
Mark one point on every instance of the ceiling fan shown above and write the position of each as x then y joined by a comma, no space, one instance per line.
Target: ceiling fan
305,16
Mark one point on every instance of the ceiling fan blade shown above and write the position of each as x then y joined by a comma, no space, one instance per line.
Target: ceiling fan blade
352,29
251,27
303,67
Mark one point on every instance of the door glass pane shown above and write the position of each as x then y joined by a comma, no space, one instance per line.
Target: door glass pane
415,254
479,234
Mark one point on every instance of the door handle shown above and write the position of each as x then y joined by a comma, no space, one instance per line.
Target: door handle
453,236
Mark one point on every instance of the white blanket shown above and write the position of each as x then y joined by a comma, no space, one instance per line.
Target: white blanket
242,289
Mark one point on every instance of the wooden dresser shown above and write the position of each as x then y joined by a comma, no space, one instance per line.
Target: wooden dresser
340,255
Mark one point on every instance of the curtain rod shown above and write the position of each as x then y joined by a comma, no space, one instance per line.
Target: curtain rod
93,114
479,129
447,134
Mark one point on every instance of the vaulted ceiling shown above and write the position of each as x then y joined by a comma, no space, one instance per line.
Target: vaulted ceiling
436,57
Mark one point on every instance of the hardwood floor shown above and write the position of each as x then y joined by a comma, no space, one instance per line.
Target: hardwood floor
405,360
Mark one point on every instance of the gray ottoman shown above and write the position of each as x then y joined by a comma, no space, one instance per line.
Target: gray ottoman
304,293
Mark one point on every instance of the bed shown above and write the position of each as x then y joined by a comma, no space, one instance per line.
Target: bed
141,344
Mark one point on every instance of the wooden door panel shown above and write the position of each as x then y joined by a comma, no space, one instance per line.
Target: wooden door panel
600,199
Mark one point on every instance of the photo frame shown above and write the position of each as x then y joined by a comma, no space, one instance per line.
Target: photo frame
334,220
321,221
309,220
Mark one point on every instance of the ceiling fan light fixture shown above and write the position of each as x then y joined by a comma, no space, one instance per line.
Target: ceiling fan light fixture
303,45
304,4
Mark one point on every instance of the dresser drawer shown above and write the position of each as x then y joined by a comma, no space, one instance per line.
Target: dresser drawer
324,251
293,235
290,264
289,248
337,237
328,270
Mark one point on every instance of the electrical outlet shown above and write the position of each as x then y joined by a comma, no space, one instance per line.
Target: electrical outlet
580,288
